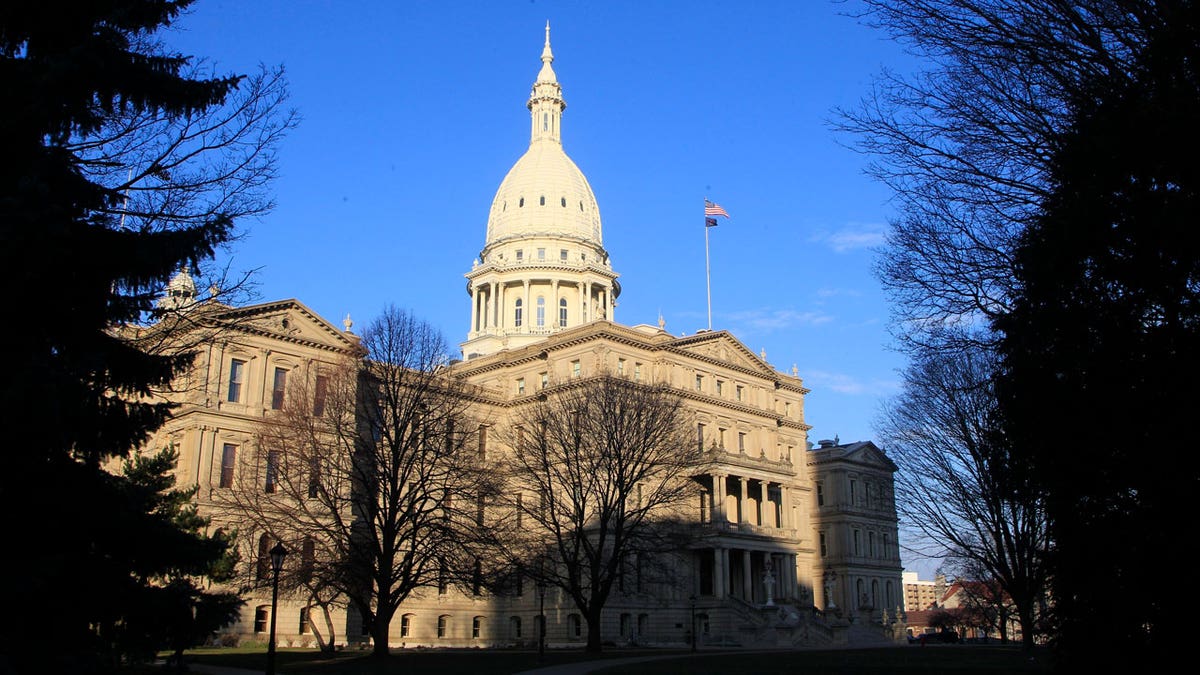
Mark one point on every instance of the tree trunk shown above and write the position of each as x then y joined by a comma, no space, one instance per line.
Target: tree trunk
593,628
1025,617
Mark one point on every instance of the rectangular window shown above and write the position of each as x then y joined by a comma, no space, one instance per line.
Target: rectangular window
738,392
228,462
278,389
887,544
820,494
476,626
483,441
304,628
787,409
520,386
443,622
320,392
741,442
520,255
541,254
720,387
545,380
575,369
562,255
700,437
637,372
620,366
237,371
699,383
824,548
272,471
720,438
314,475
405,626
857,543
871,544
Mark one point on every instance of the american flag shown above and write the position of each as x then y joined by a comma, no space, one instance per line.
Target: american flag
711,209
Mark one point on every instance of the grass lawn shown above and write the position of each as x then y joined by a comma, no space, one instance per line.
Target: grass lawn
890,661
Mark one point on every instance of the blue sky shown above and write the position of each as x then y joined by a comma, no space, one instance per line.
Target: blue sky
414,111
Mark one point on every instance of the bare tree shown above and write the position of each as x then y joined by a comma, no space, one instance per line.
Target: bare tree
957,486
371,474
600,472
965,144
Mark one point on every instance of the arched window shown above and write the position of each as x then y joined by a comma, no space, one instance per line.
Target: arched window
574,627
626,625
643,625
308,558
262,615
564,202
406,623
874,593
562,312
521,202
517,314
541,311
443,625
890,598
514,627
860,591
477,627
542,200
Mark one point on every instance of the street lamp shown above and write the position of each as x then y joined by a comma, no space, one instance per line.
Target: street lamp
277,554
692,599
541,589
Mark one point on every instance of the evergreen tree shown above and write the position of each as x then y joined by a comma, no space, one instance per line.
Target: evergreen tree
1100,350
86,548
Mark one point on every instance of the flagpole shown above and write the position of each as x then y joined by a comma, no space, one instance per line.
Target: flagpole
707,269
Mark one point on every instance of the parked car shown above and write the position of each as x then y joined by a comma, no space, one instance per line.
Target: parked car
945,636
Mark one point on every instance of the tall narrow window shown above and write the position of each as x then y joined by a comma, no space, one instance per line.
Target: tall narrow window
699,383
314,475
517,314
541,311
520,255
637,372
263,567
700,437
228,462
857,543
476,627
237,371
520,386
541,202
575,368
483,439
262,614
279,388
720,387
824,548
272,471
320,392
541,251
406,625
820,494
308,559
621,367
545,127
304,627
545,380
562,312
738,391
741,442
443,625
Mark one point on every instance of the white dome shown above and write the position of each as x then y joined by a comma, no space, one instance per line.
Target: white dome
544,194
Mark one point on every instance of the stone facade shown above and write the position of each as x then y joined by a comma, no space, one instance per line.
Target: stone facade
790,541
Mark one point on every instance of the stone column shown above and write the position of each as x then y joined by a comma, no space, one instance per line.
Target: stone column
474,308
762,503
494,297
500,310
747,577
720,571
785,506
527,312
554,309
719,496
742,497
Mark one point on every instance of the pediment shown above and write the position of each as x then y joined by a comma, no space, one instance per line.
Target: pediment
868,453
291,321
722,348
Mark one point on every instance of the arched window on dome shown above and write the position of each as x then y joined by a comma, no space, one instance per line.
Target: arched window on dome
542,201
541,311
562,312
517,314
564,202
522,202
581,205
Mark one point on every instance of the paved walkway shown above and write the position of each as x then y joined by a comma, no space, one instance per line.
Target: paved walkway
583,667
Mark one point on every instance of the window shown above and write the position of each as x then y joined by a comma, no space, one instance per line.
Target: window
406,625
237,371
520,255
483,441
857,546
867,490
263,566
562,252
787,409
542,200
637,372
521,202
824,548
702,624
476,627
262,615
314,476
643,624
477,575
514,626
228,462
620,366
304,627
699,383
626,625
545,380
741,442
517,313
738,392
720,438
280,386
319,394
720,387
308,558
562,312
871,544
545,127
564,202
820,494
272,471
574,626
887,549
853,487
520,386
700,437
541,311
443,582
541,251
575,368
443,625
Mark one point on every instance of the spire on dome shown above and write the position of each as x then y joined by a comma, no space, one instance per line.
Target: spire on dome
546,102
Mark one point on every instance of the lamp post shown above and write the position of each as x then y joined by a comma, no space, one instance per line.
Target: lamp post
692,600
277,554
541,588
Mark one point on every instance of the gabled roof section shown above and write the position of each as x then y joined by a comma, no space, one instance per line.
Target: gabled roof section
290,321
723,349
863,453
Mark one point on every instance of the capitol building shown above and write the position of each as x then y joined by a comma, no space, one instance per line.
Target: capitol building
794,542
